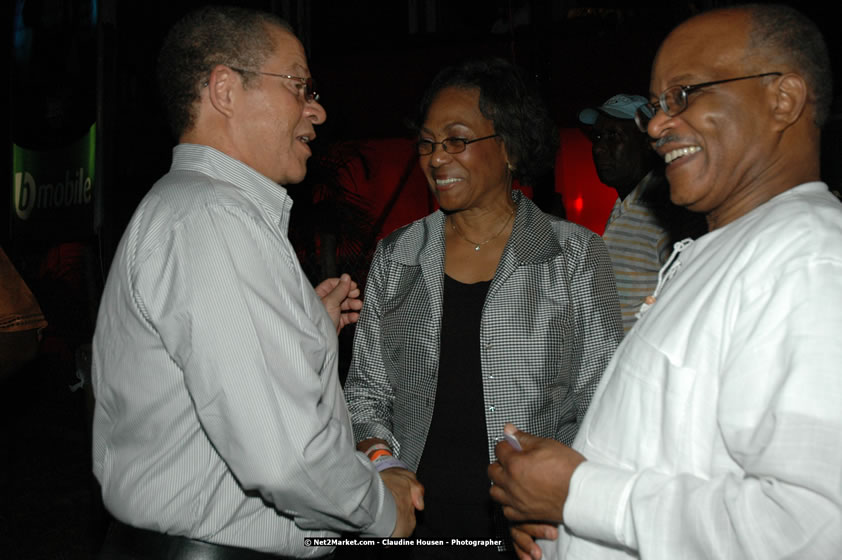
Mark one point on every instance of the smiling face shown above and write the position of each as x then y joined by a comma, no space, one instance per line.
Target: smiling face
274,122
719,147
477,177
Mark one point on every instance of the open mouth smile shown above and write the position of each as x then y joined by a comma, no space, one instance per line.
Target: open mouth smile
673,155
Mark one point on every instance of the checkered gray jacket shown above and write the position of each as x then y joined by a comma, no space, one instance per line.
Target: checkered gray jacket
549,326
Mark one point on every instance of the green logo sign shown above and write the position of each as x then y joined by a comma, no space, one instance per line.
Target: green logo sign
53,190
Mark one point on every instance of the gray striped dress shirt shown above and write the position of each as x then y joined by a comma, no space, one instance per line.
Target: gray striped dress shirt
219,414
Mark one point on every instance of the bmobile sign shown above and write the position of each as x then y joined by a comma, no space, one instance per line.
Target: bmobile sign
53,190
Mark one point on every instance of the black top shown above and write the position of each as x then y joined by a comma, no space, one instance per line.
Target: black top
454,465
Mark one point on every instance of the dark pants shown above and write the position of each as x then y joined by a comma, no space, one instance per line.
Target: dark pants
129,543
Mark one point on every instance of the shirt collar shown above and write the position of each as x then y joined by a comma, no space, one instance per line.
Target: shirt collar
271,196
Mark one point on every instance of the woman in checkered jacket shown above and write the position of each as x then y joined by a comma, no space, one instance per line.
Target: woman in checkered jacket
485,312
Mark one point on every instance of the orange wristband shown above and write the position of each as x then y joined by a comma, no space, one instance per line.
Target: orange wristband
379,453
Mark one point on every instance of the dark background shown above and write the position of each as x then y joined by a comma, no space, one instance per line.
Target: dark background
371,59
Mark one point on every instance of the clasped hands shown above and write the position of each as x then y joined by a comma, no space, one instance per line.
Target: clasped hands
532,487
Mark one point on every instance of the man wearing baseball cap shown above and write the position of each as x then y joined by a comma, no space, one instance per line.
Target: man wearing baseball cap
643,224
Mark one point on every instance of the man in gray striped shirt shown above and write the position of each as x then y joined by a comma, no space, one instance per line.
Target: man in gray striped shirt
220,426
643,223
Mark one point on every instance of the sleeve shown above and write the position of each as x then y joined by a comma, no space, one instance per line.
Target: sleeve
368,391
780,419
664,247
598,327
258,354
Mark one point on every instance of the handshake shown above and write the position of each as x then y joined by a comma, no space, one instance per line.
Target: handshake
407,492
409,496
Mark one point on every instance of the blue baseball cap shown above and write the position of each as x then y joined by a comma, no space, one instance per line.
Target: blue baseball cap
621,106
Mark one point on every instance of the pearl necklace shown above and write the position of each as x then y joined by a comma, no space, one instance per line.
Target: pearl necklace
477,245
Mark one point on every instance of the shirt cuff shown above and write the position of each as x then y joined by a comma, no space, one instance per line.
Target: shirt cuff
384,523
598,502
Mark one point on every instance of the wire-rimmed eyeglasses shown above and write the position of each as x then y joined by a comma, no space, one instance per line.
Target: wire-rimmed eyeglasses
452,145
305,84
673,100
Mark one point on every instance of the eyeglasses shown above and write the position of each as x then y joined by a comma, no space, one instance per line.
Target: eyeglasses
449,145
307,84
674,100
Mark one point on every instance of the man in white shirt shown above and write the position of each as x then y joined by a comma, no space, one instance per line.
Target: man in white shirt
220,427
715,431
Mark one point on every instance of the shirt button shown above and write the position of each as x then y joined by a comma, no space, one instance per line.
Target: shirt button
491,408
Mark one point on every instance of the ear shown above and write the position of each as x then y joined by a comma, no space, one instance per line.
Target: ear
511,164
789,101
221,89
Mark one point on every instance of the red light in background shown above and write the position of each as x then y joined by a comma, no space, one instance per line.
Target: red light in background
576,180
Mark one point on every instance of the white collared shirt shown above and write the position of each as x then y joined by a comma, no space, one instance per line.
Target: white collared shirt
716,431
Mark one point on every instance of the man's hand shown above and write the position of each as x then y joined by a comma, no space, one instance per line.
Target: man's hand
532,484
341,298
409,496
524,535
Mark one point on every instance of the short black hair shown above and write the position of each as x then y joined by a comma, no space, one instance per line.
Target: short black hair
515,108
785,34
203,39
